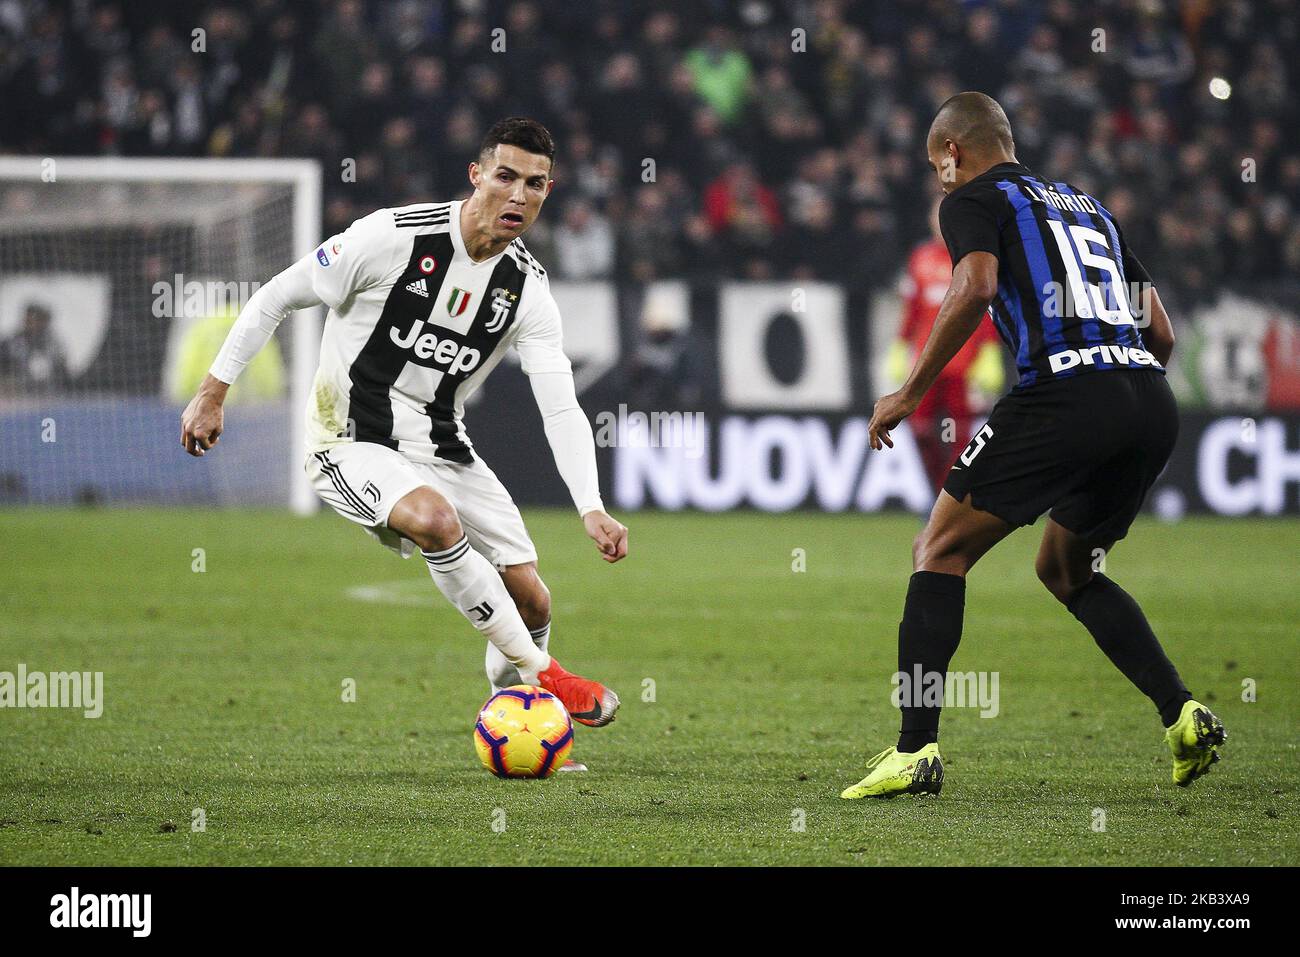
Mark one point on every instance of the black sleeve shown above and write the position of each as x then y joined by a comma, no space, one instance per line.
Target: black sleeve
1134,271
969,223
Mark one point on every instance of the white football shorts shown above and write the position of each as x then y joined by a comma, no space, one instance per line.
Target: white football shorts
362,481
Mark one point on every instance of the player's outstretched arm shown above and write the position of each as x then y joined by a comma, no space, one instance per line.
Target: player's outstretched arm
541,354
569,434
203,419
974,284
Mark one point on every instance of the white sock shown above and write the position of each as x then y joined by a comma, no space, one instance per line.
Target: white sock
542,636
469,582
500,672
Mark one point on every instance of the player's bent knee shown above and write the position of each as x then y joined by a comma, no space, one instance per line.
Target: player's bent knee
1048,570
937,552
435,525
1052,576
1059,579
918,549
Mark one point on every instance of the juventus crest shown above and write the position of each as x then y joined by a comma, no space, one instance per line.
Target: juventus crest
502,300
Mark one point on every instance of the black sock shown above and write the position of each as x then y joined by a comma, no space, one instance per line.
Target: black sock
910,742
927,638
1121,631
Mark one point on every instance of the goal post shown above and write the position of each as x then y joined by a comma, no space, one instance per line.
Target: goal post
118,280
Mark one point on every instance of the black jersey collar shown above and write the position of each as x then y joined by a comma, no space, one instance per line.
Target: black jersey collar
997,170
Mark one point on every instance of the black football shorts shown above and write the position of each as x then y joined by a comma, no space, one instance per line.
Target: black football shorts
1087,448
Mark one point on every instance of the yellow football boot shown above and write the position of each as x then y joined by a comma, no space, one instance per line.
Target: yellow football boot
1194,739
894,772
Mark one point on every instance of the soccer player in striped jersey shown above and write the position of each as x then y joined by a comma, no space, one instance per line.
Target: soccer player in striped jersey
423,303
1082,435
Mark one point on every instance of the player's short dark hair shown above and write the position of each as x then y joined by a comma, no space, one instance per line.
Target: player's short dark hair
973,119
527,134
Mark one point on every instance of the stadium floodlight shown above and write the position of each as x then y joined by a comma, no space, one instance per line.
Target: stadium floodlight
118,280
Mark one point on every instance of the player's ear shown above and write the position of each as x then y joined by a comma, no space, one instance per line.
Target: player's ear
474,174
550,185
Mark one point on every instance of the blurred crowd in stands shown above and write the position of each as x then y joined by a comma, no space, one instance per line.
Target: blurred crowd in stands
756,138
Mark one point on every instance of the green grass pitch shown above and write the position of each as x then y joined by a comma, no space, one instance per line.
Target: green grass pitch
223,691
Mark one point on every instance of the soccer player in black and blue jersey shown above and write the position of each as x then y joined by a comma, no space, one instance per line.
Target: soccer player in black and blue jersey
1082,436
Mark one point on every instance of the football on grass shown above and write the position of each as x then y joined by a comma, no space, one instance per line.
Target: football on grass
523,732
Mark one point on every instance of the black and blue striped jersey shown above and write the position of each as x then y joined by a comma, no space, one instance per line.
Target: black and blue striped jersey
1068,286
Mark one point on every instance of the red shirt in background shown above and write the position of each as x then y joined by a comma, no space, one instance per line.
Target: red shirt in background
721,203
929,273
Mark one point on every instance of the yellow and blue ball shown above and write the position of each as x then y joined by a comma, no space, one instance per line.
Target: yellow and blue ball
523,732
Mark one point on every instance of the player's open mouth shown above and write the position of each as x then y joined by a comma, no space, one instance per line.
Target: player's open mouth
511,220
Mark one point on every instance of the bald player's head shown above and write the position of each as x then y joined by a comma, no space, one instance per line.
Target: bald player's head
970,134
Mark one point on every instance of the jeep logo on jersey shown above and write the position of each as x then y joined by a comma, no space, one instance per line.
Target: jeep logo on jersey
444,352
502,300
457,302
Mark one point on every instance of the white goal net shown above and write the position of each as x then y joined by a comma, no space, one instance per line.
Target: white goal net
119,279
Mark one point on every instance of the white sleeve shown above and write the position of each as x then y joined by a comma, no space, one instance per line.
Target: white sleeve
541,354
540,342
354,259
262,315
569,434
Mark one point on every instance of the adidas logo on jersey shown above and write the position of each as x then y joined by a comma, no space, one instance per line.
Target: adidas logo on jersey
419,287
1115,355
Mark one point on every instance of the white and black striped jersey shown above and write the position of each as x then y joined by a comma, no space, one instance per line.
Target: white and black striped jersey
415,326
